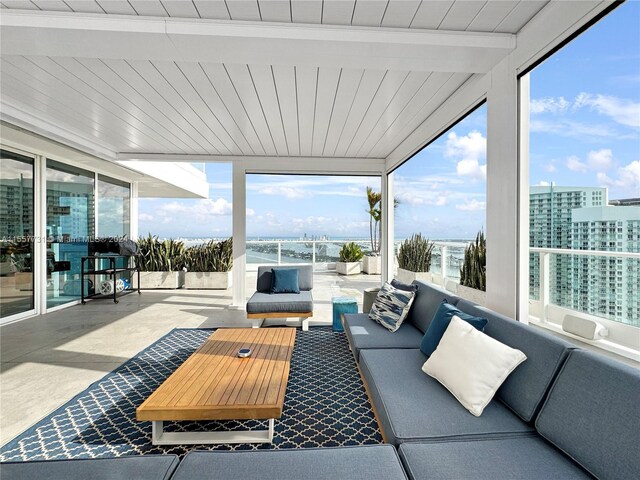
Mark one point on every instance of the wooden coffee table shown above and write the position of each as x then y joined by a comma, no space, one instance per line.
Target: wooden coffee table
214,384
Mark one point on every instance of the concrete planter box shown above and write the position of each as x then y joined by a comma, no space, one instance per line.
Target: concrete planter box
207,280
437,279
407,276
159,280
348,268
372,265
473,295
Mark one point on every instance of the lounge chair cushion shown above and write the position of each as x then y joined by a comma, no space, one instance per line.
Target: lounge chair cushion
280,303
525,389
528,458
140,467
373,462
305,277
364,333
426,303
413,406
592,414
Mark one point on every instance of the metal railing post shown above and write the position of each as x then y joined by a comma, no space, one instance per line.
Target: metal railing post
279,252
545,265
313,255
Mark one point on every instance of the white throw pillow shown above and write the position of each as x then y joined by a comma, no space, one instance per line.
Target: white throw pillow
471,364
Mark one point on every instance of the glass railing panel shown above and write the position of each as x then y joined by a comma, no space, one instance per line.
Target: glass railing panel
262,253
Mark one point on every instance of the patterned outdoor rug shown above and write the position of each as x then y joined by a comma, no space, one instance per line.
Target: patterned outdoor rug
325,405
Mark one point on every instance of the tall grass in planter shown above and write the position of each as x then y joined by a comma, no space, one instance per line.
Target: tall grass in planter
414,259
473,273
160,262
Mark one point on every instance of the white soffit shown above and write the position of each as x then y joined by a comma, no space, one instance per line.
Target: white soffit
175,85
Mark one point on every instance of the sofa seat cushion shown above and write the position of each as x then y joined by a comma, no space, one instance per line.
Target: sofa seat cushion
525,389
413,406
593,415
364,333
528,458
140,467
280,302
427,300
371,462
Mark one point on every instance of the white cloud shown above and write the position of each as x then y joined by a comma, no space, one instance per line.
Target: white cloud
621,110
468,150
287,192
145,217
549,105
201,208
574,164
472,206
543,183
600,159
628,178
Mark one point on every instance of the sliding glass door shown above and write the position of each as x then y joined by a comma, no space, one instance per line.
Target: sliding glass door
70,226
16,234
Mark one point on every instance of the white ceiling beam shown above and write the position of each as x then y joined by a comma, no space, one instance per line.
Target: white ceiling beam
271,164
56,34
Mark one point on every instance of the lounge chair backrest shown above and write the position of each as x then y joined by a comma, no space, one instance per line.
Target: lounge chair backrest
305,277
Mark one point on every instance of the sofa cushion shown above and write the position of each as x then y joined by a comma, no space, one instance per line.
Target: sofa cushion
528,458
404,286
391,307
413,406
358,463
440,322
428,299
305,277
282,302
284,280
525,389
140,467
592,414
471,365
364,333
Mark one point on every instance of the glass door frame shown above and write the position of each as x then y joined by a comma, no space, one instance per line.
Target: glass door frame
37,262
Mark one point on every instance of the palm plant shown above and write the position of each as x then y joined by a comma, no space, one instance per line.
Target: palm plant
473,273
351,252
414,254
160,256
374,199
211,257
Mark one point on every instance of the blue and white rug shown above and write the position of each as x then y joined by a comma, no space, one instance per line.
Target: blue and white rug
325,405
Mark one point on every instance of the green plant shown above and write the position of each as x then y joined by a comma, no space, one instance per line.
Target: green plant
473,273
414,254
374,199
351,252
160,256
211,257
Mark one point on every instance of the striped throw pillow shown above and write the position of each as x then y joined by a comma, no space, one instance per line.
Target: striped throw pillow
391,307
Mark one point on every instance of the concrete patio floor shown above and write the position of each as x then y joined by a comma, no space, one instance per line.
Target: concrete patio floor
46,360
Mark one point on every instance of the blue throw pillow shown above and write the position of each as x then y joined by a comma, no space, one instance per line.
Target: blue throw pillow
441,321
284,280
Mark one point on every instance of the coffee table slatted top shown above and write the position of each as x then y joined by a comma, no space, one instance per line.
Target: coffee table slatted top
214,384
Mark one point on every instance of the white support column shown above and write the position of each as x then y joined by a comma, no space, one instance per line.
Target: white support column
522,312
502,190
133,209
40,233
239,234
387,247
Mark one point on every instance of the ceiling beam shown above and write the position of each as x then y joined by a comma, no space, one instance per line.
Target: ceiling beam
57,34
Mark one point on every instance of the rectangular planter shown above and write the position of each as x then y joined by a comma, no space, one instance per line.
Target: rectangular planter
473,295
348,268
407,276
159,280
207,280
372,265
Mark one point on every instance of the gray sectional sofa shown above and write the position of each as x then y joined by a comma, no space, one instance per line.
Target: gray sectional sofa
565,413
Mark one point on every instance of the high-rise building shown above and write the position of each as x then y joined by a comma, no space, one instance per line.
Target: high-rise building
583,218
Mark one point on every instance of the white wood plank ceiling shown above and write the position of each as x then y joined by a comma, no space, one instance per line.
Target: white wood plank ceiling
233,108
506,16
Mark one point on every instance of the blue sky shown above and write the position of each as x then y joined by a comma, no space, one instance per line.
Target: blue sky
585,131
